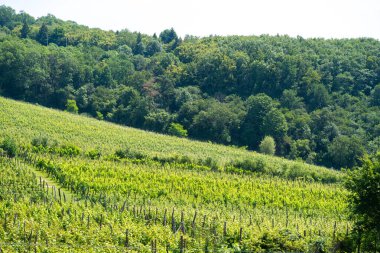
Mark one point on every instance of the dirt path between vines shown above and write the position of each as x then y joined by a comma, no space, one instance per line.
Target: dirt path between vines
51,183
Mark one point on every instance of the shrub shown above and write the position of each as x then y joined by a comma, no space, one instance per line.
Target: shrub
68,150
257,165
9,146
40,141
71,106
128,153
177,129
99,115
94,154
268,146
211,163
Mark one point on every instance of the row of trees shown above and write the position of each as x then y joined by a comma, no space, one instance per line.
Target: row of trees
318,99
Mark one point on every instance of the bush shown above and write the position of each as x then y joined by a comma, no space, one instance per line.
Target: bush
94,154
9,146
68,150
211,163
99,115
40,141
71,106
128,153
268,146
251,165
177,129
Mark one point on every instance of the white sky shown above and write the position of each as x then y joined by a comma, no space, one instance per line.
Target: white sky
307,18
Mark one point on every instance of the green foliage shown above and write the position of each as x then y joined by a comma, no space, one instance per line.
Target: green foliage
99,115
364,198
25,30
71,106
131,188
217,122
375,96
88,133
43,35
177,129
251,165
168,36
258,107
232,90
268,146
94,154
346,152
40,141
158,121
152,48
58,36
139,47
9,146
129,153
68,150
275,125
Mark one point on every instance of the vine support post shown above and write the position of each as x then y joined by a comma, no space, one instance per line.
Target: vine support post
164,221
173,221
126,238
182,244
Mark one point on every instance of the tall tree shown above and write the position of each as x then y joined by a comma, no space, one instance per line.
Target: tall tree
43,35
25,30
168,36
364,198
258,107
139,46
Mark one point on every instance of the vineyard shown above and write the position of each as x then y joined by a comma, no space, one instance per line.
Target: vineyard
77,184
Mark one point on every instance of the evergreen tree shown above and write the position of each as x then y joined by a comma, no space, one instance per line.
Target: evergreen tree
43,35
25,30
139,46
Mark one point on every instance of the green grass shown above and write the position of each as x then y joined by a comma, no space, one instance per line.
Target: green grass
263,212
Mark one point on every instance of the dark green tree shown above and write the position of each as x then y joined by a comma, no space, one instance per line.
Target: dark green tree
158,121
364,200
168,36
375,96
252,128
217,122
25,30
345,152
153,47
43,35
274,124
139,47
7,16
58,36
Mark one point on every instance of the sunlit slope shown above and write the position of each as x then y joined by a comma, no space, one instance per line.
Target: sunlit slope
24,121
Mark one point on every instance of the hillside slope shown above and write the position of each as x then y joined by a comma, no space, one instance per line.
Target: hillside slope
156,200
24,121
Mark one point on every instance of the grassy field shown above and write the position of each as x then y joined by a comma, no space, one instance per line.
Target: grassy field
161,197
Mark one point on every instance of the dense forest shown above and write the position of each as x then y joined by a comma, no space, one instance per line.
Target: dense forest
317,99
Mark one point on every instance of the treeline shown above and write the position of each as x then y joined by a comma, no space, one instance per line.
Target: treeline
318,99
